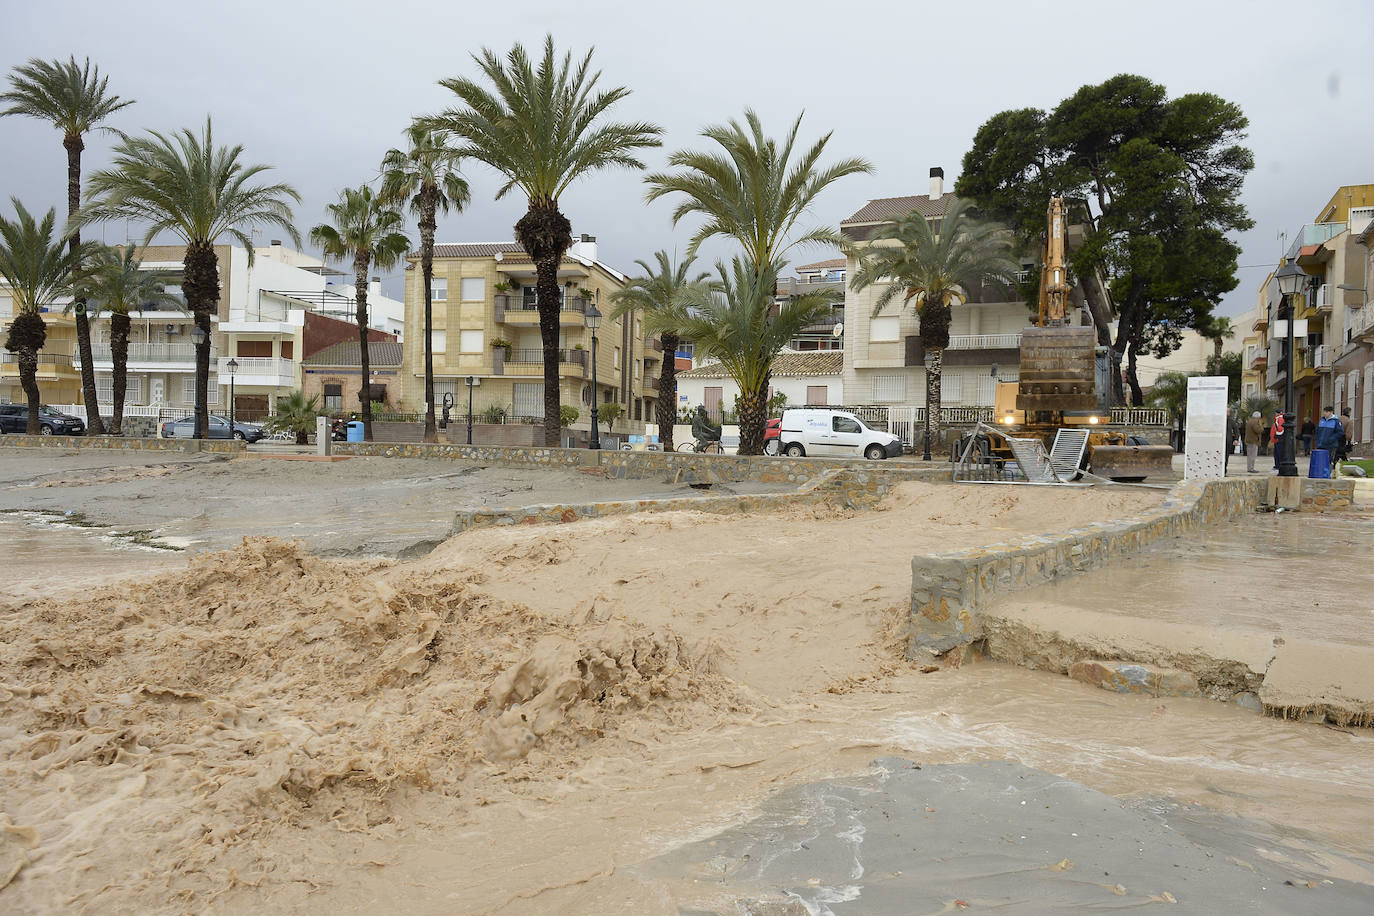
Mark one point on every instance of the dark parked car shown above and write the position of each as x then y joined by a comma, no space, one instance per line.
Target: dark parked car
185,428
14,418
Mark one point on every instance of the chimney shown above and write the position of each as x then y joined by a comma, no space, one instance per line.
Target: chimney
374,287
584,247
276,243
937,183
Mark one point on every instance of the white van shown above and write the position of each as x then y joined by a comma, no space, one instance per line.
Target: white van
833,434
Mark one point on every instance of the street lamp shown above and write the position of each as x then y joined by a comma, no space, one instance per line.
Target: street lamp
930,364
1291,279
594,322
471,382
232,366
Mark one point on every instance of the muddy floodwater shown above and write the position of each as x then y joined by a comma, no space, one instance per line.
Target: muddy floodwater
647,714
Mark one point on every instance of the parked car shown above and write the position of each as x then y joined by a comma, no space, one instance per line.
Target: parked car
14,418
185,428
828,433
772,436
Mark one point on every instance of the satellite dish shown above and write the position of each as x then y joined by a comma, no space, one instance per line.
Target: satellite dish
838,330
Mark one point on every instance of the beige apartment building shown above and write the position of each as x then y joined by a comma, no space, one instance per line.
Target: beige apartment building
486,328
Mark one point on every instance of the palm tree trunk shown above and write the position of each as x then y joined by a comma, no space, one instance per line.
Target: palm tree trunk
361,262
28,333
546,235
933,391
200,284
94,426
119,355
665,411
753,419
427,268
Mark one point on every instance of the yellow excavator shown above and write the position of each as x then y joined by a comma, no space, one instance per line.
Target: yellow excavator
1063,384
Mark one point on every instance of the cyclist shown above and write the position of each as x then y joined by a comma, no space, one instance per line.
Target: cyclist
705,432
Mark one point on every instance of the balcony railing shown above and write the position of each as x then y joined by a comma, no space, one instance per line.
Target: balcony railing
985,342
1321,356
535,357
45,360
283,369
651,381
529,302
148,353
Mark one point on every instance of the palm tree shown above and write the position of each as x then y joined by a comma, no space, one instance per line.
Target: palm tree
37,266
366,229
1217,331
114,281
751,191
538,126
73,99
731,321
658,293
427,173
295,414
182,183
934,268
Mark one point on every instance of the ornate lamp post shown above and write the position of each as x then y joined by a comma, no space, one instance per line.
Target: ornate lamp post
594,322
1291,279
232,366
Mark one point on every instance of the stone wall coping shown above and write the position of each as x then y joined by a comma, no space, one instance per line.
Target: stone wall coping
123,443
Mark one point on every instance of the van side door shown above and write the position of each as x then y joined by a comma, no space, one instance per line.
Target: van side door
846,436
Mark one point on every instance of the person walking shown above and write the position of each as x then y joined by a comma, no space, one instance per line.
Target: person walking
1276,438
1253,435
1230,442
1309,429
1347,433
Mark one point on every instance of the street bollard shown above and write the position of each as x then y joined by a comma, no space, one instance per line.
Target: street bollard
324,442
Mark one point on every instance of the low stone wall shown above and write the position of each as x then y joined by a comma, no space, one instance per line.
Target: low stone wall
124,443
948,589
853,489
680,467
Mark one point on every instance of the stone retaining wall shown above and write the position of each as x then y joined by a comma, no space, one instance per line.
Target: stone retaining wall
850,488
680,467
124,443
948,589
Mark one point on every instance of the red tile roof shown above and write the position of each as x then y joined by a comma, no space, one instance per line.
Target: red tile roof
886,208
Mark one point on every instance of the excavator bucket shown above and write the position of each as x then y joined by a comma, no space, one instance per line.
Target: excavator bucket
1058,369
1131,462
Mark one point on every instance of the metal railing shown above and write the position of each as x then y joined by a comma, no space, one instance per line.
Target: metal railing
44,359
984,341
147,353
530,303
1139,416
535,357
257,365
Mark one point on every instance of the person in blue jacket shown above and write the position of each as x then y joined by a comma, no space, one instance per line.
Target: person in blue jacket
1330,433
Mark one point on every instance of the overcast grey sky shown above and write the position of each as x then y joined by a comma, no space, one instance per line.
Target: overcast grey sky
321,90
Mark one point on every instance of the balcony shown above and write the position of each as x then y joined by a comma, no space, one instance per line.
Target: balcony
144,357
51,366
1259,359
524,311
651,382
1261,322
653,345
1322,357
531,362
1324,294
264,371
1362,324
985,342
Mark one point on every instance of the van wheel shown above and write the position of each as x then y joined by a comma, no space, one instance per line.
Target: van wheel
875,453
796,451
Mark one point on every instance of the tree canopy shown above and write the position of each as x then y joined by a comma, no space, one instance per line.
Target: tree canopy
1155,183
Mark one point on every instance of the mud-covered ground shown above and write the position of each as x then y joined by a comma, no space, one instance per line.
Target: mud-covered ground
587,718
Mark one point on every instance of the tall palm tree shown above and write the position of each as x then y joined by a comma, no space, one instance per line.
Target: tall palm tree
37,266
751,190
658,293
1217,331
112,280
183,184
365,229
934,268
731,321
426,173
541,126
74,99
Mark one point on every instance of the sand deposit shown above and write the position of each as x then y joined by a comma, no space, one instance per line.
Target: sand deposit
507,723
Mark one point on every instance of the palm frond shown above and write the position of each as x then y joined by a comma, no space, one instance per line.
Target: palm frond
35,261
73,97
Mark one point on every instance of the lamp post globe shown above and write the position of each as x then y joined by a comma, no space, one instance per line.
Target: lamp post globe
594,322
1291,280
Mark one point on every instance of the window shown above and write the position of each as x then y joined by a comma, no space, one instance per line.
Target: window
257,348
333,396
439,341
438,289
883,330
889,387
471,341
712,398
288,349
446,386
617,357
378,393
845,425
188,389
133,389
104,388
6,306
474,289
817,394
528,398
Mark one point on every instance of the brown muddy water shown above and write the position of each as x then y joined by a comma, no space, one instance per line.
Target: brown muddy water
523,720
